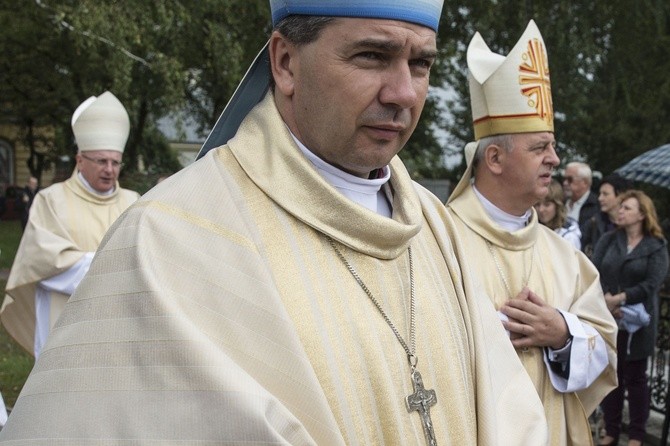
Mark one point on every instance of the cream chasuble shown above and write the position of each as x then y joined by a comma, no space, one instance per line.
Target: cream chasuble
66,221
216,312
560,275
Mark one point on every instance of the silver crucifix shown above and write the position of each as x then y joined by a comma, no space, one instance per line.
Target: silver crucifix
421,401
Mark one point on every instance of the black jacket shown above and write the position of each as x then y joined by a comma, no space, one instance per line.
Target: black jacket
590,208
640,274
593,229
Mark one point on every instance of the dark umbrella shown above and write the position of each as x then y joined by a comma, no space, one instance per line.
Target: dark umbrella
651,167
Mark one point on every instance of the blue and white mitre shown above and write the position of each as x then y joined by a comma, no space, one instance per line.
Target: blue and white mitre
421,12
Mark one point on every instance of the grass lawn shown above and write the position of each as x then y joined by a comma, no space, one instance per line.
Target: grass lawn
15,363
15,366
10,236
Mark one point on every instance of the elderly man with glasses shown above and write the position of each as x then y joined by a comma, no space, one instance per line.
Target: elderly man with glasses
67,222
582,204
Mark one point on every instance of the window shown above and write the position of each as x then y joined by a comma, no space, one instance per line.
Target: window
6,163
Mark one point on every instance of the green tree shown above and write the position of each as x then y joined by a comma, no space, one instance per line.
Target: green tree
73,49
31,94
571,33
217,43
159,58
628,107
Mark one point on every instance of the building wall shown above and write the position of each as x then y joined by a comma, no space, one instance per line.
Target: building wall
17,171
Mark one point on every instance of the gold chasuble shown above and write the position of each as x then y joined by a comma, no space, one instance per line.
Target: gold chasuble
560,275
66,221
217,312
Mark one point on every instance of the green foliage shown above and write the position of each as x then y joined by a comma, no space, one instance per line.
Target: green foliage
218,42
70,50
158,157
423,155
608,61
157,57
629,104
571,32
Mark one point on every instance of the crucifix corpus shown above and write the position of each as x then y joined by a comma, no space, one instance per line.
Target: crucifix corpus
421,401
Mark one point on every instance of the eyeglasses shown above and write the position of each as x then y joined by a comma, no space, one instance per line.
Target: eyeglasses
102,162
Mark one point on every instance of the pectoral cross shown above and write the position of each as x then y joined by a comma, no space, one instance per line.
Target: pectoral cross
421,400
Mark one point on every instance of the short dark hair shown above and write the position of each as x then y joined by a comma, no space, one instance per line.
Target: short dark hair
300,30
618,183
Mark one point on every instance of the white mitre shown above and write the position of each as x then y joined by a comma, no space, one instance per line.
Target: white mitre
510,94
101,123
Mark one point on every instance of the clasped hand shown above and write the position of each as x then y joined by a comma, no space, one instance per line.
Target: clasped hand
534,323
614,302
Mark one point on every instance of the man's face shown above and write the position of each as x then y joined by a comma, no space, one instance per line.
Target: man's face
100,168
359,89
527,168
32,183
576,186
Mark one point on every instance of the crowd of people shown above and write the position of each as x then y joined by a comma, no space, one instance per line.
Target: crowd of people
633,263
626,243
295,286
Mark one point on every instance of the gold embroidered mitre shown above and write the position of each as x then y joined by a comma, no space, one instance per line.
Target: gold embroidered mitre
510,94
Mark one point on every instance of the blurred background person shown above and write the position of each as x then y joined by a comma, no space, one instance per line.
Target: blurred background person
25,199
633,263
67,222
552,213
581,203
610,188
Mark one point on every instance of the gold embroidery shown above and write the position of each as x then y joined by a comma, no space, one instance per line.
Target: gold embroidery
534,78
592,343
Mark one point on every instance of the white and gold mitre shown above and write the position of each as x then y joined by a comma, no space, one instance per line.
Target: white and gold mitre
101,123
510,94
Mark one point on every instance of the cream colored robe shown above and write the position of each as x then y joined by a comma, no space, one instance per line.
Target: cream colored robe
216,312
66,221
563,277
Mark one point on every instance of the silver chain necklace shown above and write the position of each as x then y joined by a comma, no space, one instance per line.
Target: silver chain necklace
422,399
503,277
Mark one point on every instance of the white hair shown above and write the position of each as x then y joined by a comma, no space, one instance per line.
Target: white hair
504,141
583,171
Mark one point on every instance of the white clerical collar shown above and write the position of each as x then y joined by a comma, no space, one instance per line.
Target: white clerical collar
507,221
90,188
366,192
